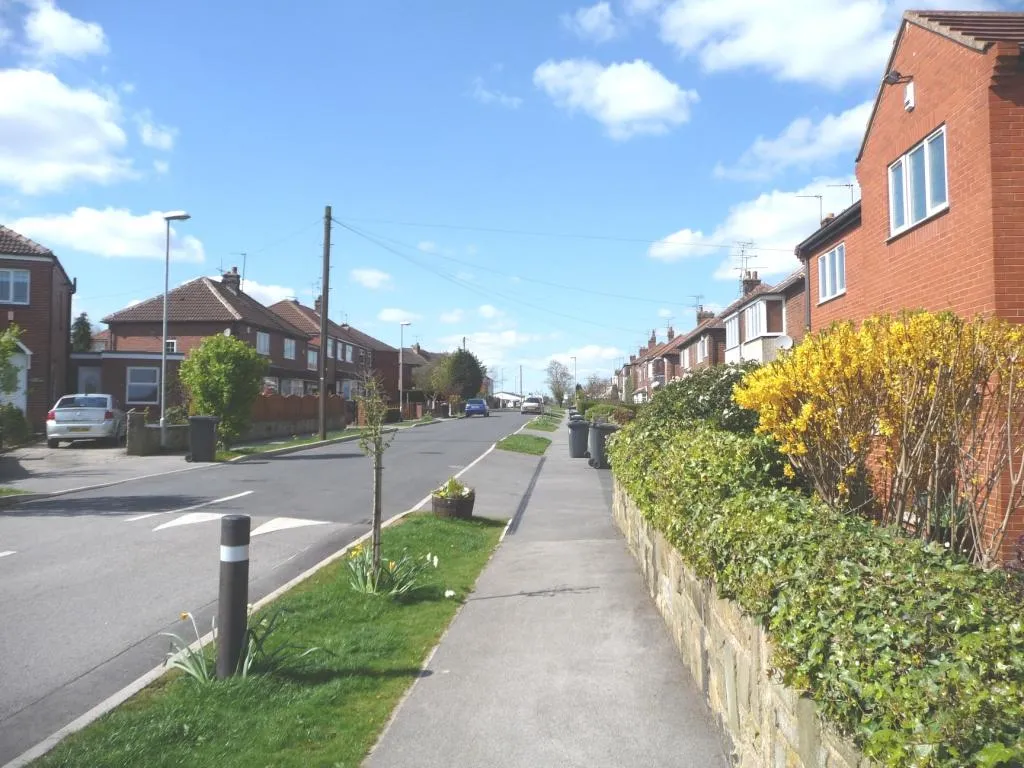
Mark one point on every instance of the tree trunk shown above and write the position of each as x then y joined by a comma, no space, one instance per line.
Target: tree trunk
377,478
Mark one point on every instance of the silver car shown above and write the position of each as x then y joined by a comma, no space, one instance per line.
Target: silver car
532,405
85,417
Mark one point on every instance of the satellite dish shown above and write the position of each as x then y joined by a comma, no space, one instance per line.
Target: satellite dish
785,342
227,331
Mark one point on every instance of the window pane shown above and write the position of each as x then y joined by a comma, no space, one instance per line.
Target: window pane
822,286
896,191
5,285
918,189
20,288
143,375
937,169
841,268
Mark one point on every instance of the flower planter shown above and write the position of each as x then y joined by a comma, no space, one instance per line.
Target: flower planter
460,507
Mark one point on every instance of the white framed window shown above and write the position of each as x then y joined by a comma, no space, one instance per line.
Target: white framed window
918,183
330,348
702,349
263,343
172,346
271,385
311,359
289,349
348,354
14,285
339,350
142,386
291,387
832,273
732,332
753,321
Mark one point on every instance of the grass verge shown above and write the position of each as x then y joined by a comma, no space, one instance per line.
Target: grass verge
543,423
327,709
4,491
535,445
274,445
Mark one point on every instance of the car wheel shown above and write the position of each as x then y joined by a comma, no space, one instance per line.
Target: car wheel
53,443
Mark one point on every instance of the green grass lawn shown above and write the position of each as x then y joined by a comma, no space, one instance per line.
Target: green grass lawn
543,423
531,444
5,491
327,710
245,450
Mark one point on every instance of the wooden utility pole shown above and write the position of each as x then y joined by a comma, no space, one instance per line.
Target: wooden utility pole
324,292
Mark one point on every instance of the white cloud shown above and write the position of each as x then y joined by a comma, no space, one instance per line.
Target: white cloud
827,42
156,136
590,358
595,22
641,7
370,278
392,315
489,311
486,95
52,135
492,347
161,166
802,144
664,313
454,316
777,220
110,233
52,32
267,294
133,302
428,246
628,98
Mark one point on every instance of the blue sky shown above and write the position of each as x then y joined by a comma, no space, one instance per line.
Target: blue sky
545,178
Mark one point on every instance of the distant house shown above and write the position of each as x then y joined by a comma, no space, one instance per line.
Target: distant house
35,294
129,368
100,341
764,318
508,399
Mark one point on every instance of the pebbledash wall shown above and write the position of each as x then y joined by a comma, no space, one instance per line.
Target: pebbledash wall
769,725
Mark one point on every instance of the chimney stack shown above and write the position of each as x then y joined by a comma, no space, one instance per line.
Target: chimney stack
750,282
703,314
670,333
632,359
232,281
318,304
416,347
653,340
829,217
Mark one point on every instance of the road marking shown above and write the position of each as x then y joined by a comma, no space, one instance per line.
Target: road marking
283,524
191,519
8,552
188,509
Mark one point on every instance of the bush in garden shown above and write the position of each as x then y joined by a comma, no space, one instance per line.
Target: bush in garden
913,653
706,394
14,427
937,400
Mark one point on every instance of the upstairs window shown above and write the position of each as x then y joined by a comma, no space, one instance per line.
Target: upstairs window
14,286
918,183
753,321
732,332
171,346
832,273
263,343
311,359
289,349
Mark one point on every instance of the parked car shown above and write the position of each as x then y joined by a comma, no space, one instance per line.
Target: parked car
85,417
532,405
477,406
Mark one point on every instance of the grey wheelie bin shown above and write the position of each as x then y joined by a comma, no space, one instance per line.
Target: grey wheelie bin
598,435
578,439
202,438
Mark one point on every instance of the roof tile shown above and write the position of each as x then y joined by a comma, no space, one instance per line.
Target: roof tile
13,244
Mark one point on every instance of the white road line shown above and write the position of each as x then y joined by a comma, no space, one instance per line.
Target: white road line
188,509
8,552
283,524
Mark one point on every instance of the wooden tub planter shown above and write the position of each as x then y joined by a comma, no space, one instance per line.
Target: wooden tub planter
460,507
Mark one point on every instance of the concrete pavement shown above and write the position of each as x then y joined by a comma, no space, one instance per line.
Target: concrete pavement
89,579
559,657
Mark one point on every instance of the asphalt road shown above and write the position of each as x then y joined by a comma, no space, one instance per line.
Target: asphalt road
89,580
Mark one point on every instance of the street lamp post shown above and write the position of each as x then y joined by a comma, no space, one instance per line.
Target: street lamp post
168,218
575,381
401,366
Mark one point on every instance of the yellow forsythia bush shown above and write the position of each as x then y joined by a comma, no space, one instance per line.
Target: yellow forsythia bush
936,400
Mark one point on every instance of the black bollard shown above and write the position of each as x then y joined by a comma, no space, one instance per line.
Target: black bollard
234,592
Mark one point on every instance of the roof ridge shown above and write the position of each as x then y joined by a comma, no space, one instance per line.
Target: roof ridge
227,305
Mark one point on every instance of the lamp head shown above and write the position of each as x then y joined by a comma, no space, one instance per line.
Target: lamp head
177,216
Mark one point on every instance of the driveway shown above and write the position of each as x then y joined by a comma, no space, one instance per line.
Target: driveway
38,469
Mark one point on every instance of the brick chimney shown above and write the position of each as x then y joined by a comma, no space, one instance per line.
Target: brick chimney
653,341
670,333
750,282
632,359
318,304
829,218
232,281
703,314
415,347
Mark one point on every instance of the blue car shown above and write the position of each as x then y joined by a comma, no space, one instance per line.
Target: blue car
477,407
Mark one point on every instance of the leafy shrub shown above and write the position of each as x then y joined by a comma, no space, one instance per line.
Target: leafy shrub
615,412
706,394
176,414
14,427
936,400
914,653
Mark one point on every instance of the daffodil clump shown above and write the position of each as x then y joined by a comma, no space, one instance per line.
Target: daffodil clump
394,578
913,418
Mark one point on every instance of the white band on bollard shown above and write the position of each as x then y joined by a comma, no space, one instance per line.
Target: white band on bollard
234,554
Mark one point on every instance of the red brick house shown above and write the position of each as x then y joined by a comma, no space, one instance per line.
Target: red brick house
129,368
940,224
702,347
35,295
765,319
345,355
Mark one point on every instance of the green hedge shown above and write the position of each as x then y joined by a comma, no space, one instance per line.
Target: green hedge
616,412
705,394
14,427
915,654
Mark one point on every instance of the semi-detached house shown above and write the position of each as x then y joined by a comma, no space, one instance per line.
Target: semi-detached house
940,225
